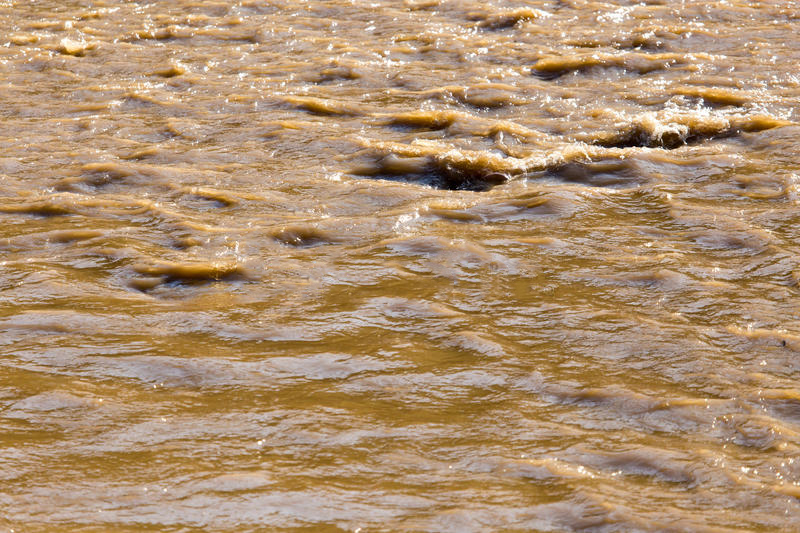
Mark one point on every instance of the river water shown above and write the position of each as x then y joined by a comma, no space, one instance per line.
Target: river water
399,266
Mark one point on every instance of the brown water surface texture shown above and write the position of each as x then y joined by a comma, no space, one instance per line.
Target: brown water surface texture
399,266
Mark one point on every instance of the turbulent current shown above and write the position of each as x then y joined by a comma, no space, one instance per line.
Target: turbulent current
466,266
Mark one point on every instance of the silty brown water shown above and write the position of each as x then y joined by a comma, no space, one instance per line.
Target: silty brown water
399,266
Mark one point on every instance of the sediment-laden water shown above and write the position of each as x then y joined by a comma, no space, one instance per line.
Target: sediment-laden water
399,266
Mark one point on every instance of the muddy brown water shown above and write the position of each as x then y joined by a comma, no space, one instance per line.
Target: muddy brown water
399,266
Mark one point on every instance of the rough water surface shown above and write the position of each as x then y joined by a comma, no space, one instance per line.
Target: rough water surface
399,266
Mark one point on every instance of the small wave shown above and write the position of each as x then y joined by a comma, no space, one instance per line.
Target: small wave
186,273
553,67
444,166
507,18
671,130
603,173
424,119
302,236
49,207
716,95
323,106
216,197
479,95
600,158
436,165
